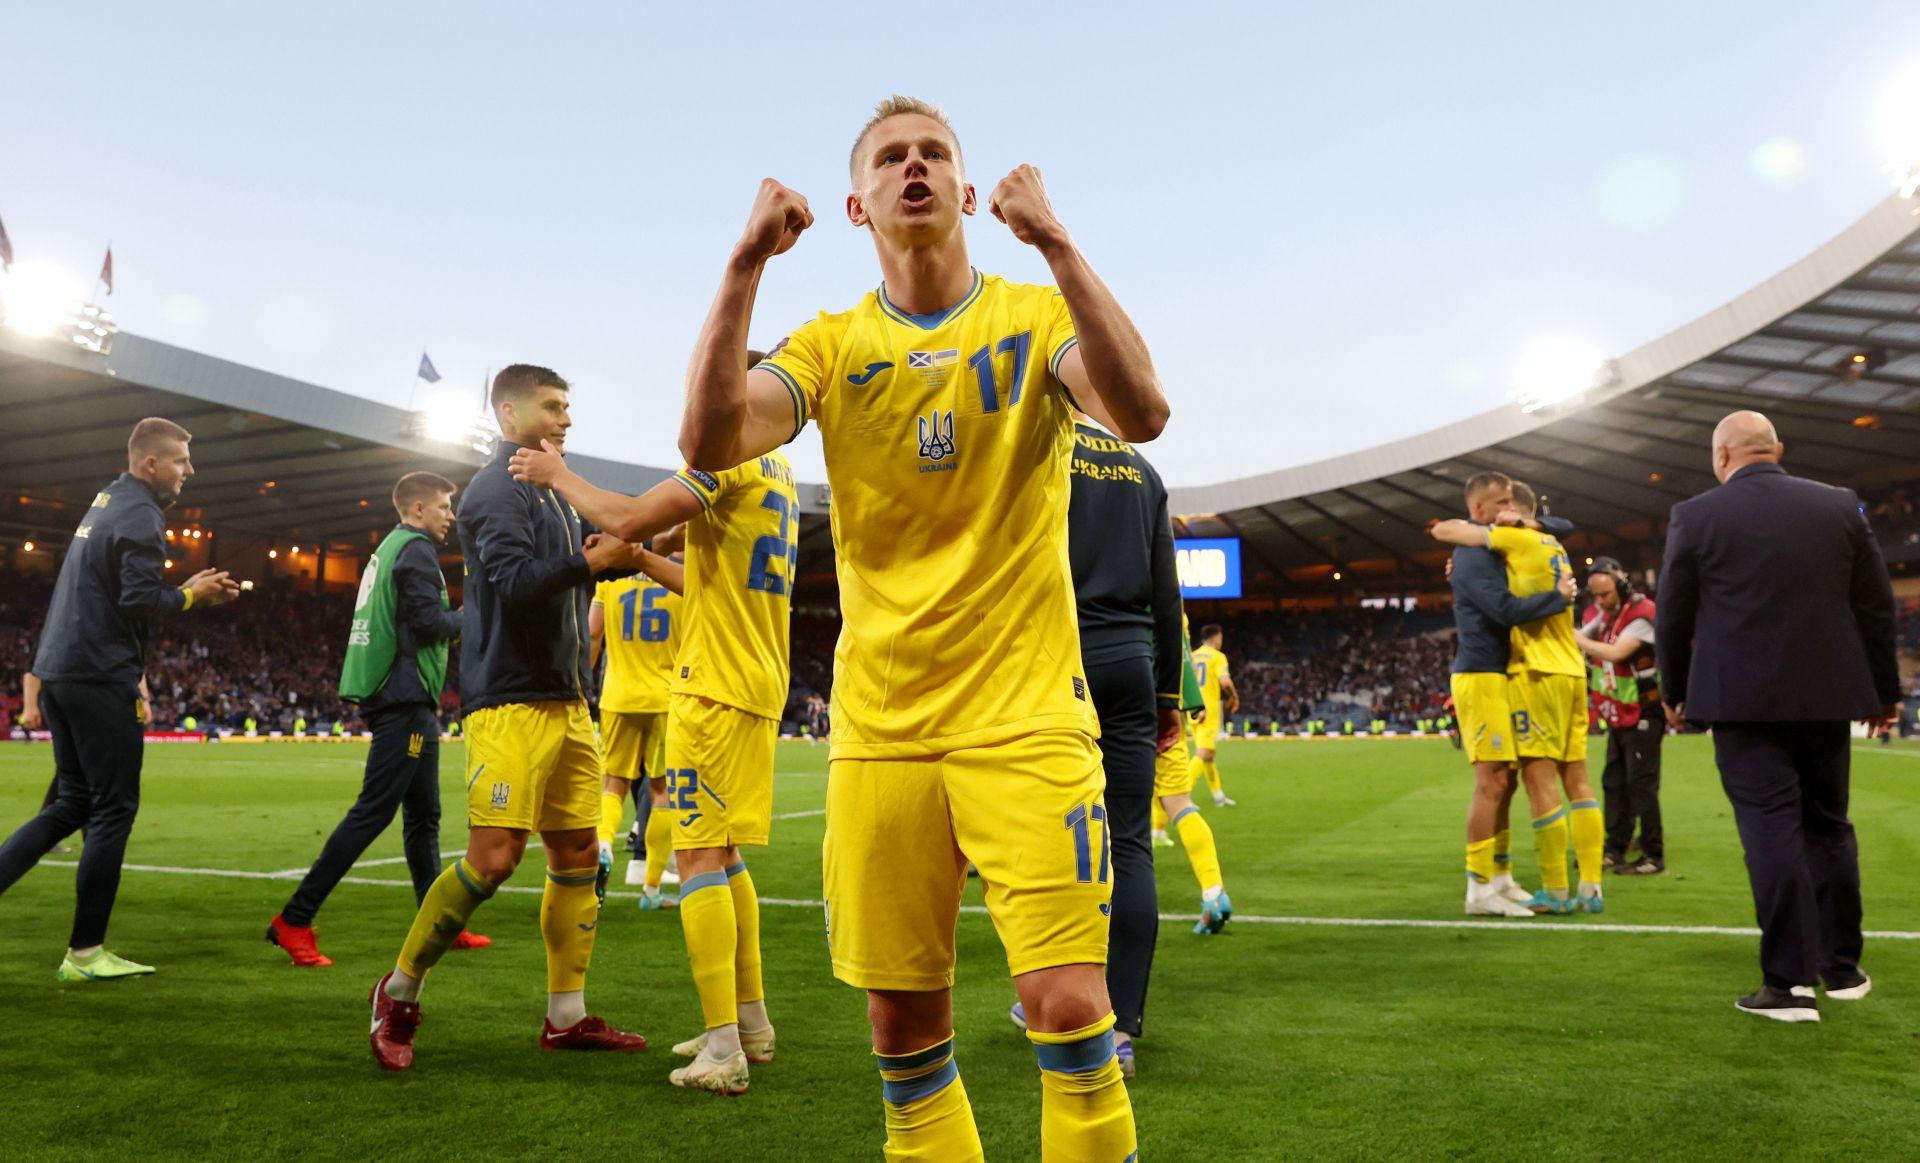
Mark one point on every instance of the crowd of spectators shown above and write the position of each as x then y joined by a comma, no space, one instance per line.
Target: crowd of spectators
274,658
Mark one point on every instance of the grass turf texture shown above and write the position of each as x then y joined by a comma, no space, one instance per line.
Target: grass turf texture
1273,1041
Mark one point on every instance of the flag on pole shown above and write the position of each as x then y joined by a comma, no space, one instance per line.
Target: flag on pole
427,371
6,249
106,270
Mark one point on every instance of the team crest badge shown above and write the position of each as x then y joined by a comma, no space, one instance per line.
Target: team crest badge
936,439
500,791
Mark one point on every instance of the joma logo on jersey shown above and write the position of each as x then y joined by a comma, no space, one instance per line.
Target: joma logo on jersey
936,440
859,379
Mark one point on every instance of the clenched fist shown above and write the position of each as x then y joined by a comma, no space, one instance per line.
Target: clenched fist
1020,201
775,223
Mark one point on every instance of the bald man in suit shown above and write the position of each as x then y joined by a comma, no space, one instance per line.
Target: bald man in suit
1775,628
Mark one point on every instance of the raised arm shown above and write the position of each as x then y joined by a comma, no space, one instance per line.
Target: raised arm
733,414
1109,371
631,519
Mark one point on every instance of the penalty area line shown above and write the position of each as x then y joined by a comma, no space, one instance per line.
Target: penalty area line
1490,925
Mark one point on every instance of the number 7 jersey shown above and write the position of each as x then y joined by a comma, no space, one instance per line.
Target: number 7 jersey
740,567
948,438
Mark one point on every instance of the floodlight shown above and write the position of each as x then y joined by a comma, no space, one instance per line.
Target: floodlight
1900,131
451,418
36,298
1558,370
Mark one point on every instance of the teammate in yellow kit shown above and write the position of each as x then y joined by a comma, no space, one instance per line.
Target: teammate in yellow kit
638,621
1173,800
729,690
1220,700
1546,677
961,723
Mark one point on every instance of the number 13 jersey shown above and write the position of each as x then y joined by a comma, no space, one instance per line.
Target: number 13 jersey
740,563
948,438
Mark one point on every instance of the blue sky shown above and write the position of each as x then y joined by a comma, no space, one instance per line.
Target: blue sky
1336,224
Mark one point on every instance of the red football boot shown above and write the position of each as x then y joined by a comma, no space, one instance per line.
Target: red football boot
394,1022
589,1034
298,941
468,939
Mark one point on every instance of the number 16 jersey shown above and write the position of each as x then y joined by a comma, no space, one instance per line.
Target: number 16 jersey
740,567
948,437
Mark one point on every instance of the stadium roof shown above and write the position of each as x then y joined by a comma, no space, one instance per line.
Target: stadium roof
1615,460
273,456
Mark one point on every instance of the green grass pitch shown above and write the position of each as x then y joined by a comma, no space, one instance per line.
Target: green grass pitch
1277,1040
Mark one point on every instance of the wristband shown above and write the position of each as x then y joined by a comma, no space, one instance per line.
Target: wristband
188,604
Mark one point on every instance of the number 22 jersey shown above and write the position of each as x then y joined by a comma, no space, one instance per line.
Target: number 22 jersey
740,559
948,439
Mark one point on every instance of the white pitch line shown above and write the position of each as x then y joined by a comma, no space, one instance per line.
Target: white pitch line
1487,926
801,815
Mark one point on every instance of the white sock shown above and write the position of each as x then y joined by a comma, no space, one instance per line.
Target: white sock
753,1015
566,1008
400,987
1212,892
723,1042
87,954
1589,888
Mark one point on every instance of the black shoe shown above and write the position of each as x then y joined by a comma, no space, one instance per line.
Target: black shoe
1611,863
1645,866
1850,986
1795,1005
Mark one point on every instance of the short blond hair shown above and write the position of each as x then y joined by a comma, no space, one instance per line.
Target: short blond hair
896,106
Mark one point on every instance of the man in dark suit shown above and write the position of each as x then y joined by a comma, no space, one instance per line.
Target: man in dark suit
1775,627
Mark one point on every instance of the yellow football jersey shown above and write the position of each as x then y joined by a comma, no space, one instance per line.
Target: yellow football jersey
1209,666
640,626
740,558
1535,564
948,438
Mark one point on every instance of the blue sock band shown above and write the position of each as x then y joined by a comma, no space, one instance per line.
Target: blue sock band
1076,1057
694,884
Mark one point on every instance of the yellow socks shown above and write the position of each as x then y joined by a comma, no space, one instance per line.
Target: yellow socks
1209,770
659,843
1550,844
712,931
1085,1116
1480,861
928,1117
569,917
613,810
455,894
1589,838
1196,836
747,986
1503,851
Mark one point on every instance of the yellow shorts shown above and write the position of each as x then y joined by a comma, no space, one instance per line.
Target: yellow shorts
1030,814
719,774
533,766
1480,702
1550,716
1173,769
634,743
1206,733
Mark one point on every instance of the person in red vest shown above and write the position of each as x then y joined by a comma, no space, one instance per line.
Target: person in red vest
1618,637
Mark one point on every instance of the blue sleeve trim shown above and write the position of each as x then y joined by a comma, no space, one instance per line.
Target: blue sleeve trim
793,389
697,494
1060,353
